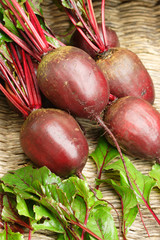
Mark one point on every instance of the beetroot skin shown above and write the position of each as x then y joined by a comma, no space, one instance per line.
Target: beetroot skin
77,40
53,138
72,81
135,124
126,74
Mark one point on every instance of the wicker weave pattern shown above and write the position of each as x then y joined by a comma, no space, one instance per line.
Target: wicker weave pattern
137,23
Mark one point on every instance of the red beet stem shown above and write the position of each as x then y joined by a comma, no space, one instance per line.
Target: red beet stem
85,229
28,79
20,10
22,90
94,24
9,79
103,24
30,235
83,34
35,88
52,36
35,41
36,23
20,42
39,52
147,205
17,65
100,121
15,103
140,213
85,222
84,24
85,9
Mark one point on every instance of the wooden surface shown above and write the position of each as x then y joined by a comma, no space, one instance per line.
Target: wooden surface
137,24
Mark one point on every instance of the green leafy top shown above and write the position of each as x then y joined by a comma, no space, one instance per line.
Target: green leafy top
155,174
66,207
132,194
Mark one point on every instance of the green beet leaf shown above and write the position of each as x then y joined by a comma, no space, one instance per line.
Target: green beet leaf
66,236
155,174
68,6
24,208
45,220
103,154
8,210
4,38
9,24
9,235
66,3
61,237
142,184
102,222
67,207
4,54
30,180
132,196
129,203
80,208
68,187
36,6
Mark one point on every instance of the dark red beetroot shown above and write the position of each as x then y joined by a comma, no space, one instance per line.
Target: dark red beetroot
126,74
78,40
53,138
136,125
71,80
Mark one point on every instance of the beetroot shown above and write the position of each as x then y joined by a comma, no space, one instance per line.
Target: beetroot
126,74
78,40
135,124
71,80
53,138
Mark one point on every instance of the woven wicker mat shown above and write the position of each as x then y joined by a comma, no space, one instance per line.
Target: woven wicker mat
137,24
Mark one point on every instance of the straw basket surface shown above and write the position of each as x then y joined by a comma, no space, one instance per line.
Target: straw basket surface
137,23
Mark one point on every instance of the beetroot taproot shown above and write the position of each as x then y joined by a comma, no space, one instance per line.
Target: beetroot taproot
72,81
126,74
135,124
53,138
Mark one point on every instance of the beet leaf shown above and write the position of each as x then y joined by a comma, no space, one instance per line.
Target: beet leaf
9,24
9,235
155,174
131,198
68,208
4,53
102,155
